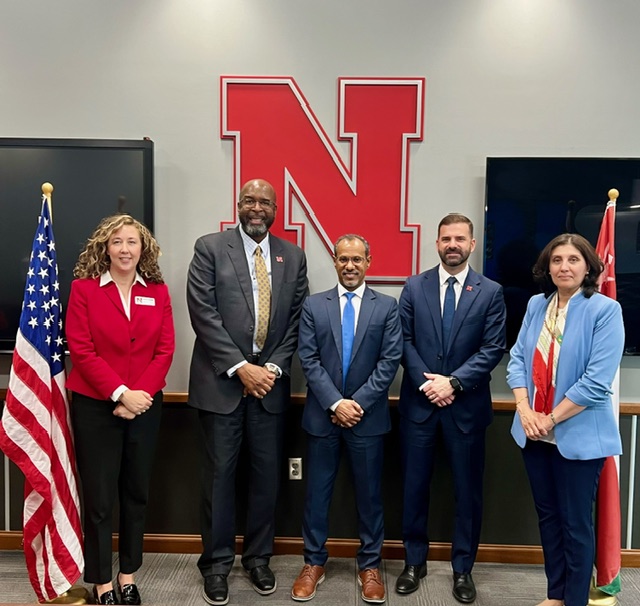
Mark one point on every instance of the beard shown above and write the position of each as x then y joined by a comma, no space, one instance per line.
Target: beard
463,256
253,229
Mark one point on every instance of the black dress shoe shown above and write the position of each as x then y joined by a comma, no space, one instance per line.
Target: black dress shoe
216,590
108,597
129,594
263,580
409,580
464,589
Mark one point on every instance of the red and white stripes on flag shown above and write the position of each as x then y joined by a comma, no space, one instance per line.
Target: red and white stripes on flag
35,432
608,518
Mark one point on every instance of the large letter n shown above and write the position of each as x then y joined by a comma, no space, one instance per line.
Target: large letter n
278,138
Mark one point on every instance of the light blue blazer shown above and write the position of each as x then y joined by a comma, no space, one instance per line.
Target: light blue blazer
589,358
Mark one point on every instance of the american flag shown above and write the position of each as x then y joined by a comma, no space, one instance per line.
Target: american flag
35,432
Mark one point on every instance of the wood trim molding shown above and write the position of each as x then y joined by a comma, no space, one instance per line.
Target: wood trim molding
338,548
298,399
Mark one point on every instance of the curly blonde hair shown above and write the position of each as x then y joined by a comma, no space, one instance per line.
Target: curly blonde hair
94,260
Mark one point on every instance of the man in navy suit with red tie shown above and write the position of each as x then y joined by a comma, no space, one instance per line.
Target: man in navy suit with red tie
350,344
453,321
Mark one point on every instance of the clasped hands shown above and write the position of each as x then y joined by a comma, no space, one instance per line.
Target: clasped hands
132,402
438,390
535,424
347,414
257,380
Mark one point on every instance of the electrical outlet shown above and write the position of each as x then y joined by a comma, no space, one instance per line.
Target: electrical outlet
295,468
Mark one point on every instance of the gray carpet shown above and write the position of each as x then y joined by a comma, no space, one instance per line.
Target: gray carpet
170,579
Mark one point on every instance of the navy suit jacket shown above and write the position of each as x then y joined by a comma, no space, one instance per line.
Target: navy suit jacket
377,349
476,345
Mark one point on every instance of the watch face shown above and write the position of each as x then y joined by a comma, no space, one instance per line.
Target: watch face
272,368
455,383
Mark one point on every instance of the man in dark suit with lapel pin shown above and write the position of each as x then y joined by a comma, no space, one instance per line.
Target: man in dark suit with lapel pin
453,321
245,290
350,345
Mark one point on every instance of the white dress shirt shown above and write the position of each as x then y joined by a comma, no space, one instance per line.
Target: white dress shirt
105,279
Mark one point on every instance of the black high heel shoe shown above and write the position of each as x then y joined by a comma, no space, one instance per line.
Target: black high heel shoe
108,597
129,594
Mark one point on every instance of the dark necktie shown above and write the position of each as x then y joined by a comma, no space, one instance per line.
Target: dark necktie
264,298
448,311
348,326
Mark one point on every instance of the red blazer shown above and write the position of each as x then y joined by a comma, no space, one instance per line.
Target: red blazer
107,349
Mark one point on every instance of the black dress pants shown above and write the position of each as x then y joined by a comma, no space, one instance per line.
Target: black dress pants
223,437
114,457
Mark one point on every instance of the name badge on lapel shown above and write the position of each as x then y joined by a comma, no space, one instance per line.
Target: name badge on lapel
150,301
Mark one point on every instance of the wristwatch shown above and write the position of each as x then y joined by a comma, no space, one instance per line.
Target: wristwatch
455,383
271,367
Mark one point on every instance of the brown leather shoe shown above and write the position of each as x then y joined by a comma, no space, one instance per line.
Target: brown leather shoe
372,586
304,587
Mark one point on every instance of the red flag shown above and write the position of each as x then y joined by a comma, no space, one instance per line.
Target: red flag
608,519
35,432
606,251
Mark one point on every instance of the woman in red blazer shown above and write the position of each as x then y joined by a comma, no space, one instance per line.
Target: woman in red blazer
119,328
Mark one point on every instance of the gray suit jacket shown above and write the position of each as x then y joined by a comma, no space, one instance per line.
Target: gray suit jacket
220,301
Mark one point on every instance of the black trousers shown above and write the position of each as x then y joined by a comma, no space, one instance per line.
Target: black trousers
223,437
114,457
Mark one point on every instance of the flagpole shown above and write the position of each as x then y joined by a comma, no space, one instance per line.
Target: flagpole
606,584
35,430
76,594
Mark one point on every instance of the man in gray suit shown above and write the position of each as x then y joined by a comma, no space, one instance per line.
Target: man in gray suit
245,291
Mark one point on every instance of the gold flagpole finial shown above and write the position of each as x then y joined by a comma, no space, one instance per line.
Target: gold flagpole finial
47,190
613,194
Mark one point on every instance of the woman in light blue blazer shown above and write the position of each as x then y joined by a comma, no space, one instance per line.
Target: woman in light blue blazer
561,369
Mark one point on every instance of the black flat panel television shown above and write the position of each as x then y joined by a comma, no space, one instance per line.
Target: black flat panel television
91,178
529,201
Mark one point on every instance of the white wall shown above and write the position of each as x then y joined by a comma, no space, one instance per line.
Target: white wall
504,77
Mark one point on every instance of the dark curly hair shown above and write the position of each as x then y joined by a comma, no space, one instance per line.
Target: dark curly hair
594,263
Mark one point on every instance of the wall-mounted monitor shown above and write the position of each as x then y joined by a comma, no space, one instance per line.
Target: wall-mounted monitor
91,178
529,201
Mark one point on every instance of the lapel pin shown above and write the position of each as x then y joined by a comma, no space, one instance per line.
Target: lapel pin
279,259
469,288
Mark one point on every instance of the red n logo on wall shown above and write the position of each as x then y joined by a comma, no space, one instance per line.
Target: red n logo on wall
277,137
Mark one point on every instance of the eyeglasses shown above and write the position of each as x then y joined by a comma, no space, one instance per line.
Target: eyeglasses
249,202
343,260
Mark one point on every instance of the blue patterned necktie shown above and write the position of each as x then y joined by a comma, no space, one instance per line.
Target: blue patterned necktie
448,311
348,326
